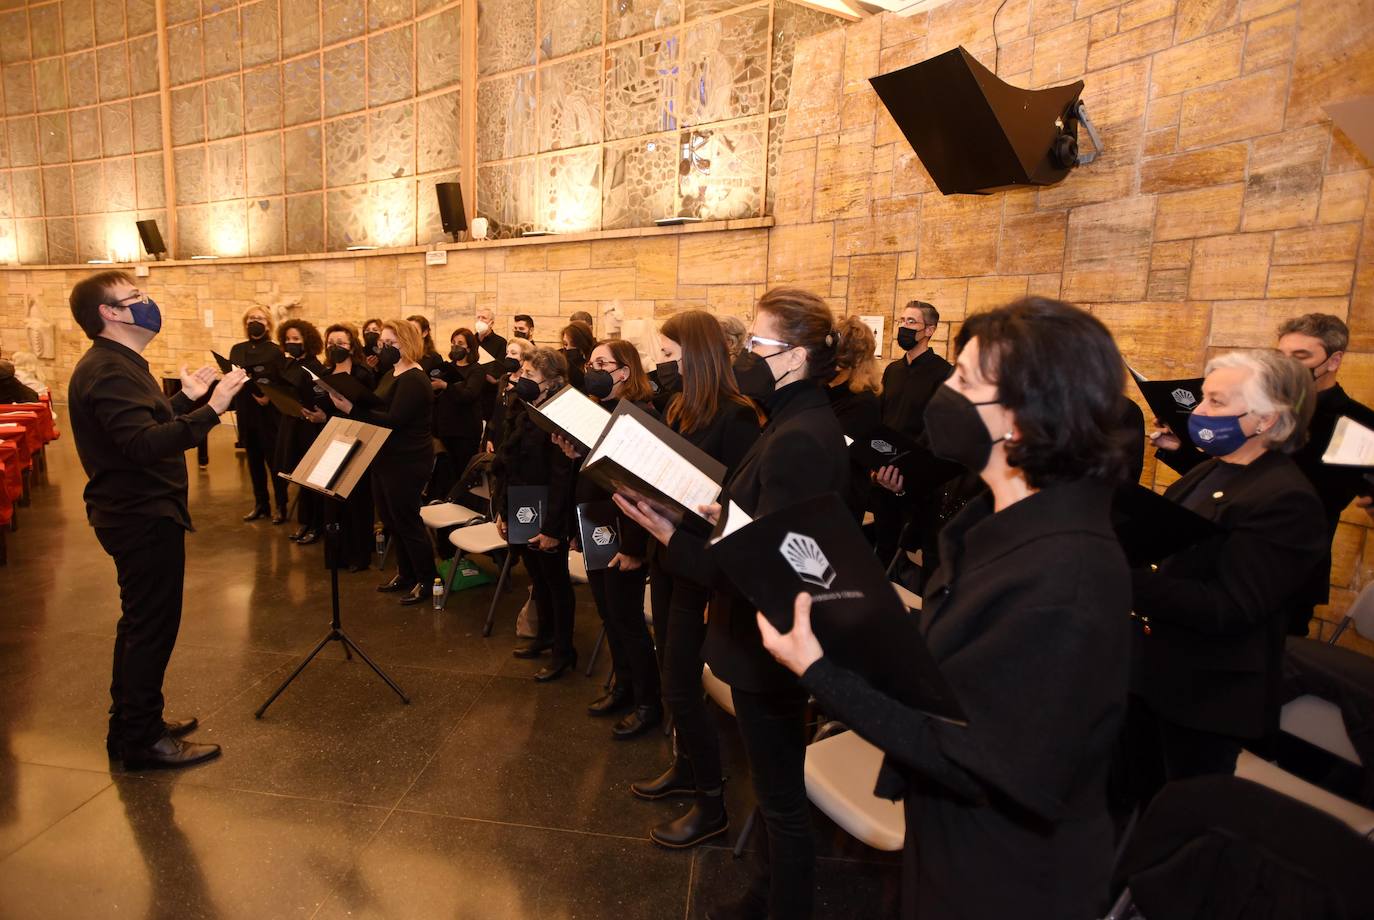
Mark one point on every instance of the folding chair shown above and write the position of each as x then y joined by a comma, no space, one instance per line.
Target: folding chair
1360,615
485,540
841,771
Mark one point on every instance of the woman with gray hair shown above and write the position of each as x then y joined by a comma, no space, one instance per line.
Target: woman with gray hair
1211,618
735,334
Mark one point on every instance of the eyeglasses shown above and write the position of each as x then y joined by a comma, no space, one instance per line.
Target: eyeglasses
603,365
756,340
136,297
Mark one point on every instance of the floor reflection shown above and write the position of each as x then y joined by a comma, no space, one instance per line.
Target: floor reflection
176,883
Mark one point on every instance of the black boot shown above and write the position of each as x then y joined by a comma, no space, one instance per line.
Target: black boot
617,699
676,780
637,722
706,820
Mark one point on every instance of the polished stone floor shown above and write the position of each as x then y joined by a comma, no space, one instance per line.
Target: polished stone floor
489,796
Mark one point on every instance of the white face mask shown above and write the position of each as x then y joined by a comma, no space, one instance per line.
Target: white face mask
482,327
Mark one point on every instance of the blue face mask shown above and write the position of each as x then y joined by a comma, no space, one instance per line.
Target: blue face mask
146,315
1217,435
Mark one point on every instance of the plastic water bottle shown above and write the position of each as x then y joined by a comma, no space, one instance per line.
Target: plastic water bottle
438,594
381,544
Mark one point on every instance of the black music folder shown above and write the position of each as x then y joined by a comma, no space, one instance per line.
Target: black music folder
525,507
885,446
598,527
1151,528
571,415
285,399
816,546
347,386
1172,401
642,458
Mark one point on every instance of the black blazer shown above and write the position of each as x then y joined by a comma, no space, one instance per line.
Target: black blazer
799,454
458,407
1216,610
527,457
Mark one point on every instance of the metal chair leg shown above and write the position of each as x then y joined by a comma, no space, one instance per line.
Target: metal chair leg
744,834
496,596
596,650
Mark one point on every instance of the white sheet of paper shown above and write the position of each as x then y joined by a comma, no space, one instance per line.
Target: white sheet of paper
577,415
635,448
1352,444
329,463
735,518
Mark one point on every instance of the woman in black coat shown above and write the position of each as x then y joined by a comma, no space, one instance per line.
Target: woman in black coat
853,393
1212,617
705,407
458,405
257,419
343,354
1027,618
403,465
527,456
799,454
301,342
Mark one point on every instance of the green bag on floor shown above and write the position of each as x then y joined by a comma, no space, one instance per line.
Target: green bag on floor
468,575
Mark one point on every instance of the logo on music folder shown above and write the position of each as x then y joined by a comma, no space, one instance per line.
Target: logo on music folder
805,556
882,446
602,536
525,515
1184,398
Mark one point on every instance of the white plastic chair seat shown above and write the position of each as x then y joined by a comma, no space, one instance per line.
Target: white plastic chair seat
577,567
448,514
1261,771
910,599
718,690
840,774
1318,722
482,539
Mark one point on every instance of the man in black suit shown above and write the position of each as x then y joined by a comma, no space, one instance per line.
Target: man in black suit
1318,341
493,348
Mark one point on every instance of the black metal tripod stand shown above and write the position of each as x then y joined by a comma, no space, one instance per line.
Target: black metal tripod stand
336,633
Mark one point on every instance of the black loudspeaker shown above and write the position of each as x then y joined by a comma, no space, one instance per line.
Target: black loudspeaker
451,213
976,134
152,239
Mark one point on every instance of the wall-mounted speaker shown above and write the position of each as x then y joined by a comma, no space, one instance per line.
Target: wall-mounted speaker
152,239
451,213
977,134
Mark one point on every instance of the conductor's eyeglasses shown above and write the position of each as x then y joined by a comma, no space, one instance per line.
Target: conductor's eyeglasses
136,297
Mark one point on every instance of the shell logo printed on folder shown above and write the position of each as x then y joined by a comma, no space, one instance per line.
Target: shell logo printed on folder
805,556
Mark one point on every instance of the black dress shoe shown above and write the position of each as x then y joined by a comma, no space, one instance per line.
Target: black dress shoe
555,669
676,780
706,820
279,517
617,700
168,753
255,514
310,536
533,650
637,723
295,537
396,584
414,596
177,728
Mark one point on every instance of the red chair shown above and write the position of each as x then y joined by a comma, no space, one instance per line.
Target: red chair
6,516
44,413
18,436
33,431
12,479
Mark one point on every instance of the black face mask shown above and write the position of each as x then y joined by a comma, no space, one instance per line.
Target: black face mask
294,349
599,383
388,355
521,335
527,389
457,353
907,338
956,431
338,354
669,378
753,376
370,340
511,365
256,330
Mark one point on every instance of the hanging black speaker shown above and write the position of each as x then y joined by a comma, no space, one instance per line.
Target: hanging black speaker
975,133
451,213
152,239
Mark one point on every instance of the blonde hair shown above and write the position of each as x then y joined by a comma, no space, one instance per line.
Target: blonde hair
264,311
855,354
524,346
408,339
1278,384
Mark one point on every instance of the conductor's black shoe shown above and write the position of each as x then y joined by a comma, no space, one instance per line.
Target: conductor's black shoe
177,728
637,723
414,596
255,514
534,649
296,537
310,536
676,780
555,669
617,700
168,753
706,820
279,517
396,584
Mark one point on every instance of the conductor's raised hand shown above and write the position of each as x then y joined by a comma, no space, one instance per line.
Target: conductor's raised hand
228,388
644,514
568,447
195,385
796,650
342,403
890,478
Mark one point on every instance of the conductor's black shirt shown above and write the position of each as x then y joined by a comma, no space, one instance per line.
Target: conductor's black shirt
907,387
131,438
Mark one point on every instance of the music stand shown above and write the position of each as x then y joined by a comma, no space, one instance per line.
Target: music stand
332,467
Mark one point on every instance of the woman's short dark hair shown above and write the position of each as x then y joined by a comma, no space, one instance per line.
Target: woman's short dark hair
469,342
551,365
1057,368
355,347
806,321
87,296
580,336
636,387
314,343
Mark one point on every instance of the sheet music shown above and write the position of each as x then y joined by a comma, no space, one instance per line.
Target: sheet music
735,518
577,415
328,465
1352,444
635,448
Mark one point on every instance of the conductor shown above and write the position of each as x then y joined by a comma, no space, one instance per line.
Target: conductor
131,440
